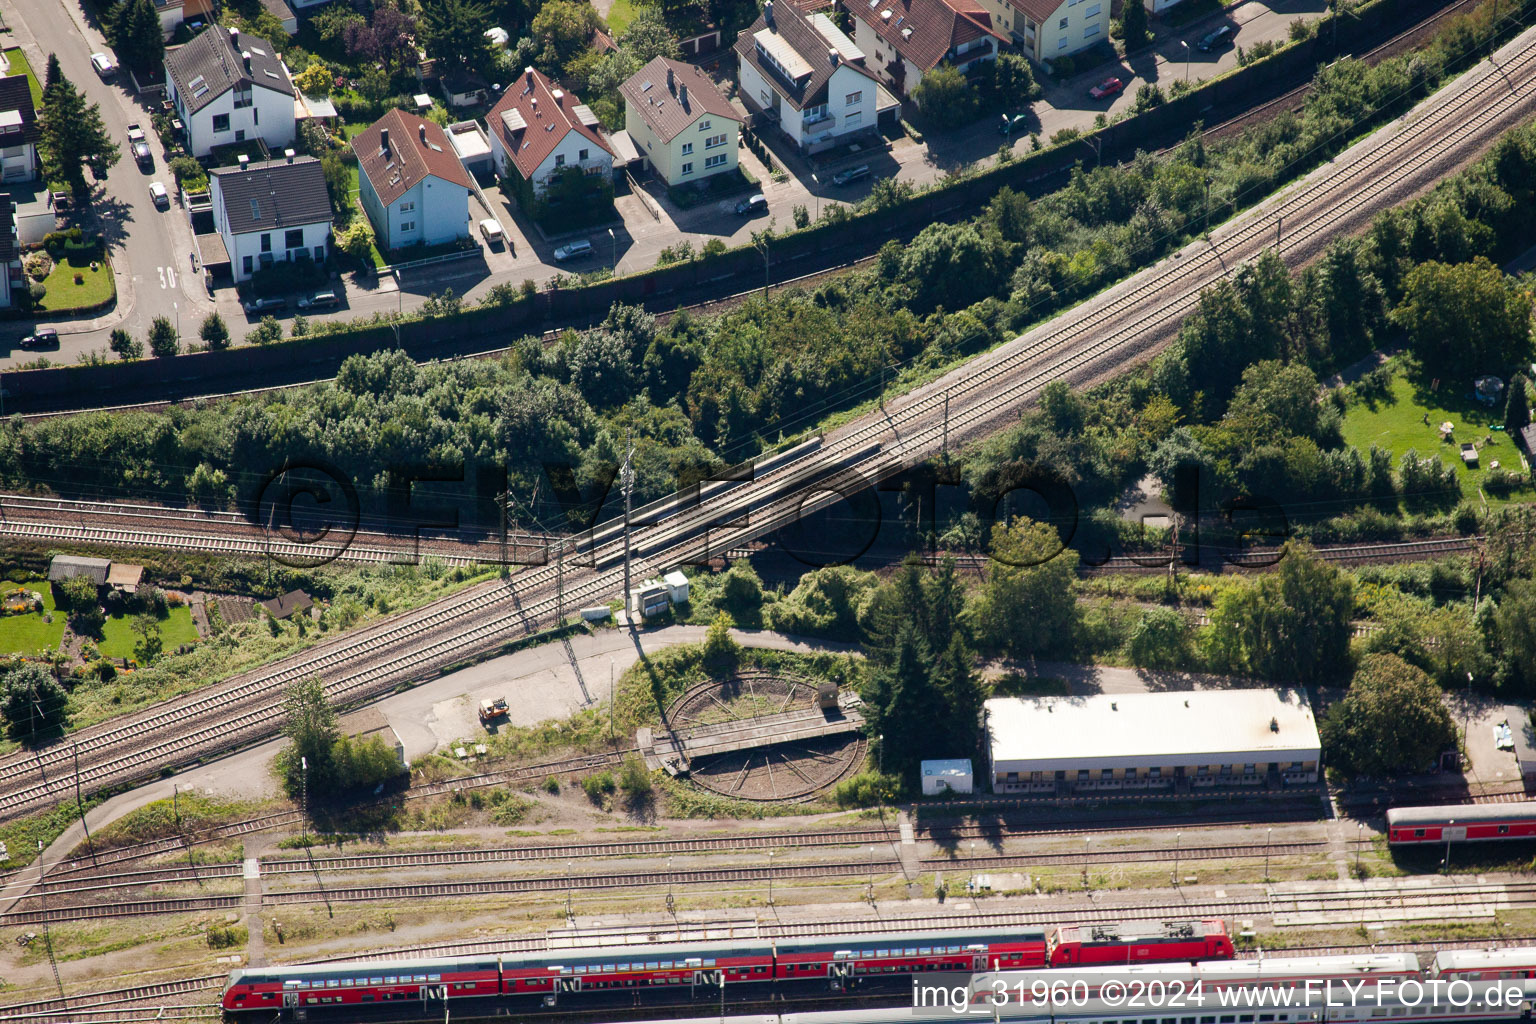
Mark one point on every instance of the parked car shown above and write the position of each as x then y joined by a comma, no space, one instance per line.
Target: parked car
105,66
851,175
493,710
1009,125
573,251
41,337
1211,40
264,305
1108,87
320,300
158,195
139,145
752,206
490,230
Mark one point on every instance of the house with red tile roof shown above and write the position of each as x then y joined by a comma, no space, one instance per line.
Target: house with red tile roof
680,123
803,73
411,183
906,39
539,130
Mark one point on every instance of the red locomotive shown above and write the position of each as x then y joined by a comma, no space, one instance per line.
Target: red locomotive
1167,941
1465,823
684,972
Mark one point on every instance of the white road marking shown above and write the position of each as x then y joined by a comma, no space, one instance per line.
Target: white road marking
161,272
170,273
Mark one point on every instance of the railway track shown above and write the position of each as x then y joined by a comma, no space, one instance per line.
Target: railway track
1125,323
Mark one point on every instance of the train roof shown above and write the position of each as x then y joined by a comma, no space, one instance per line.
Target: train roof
891,940
1460,813
1472,959
578,956
357,968
1309,966
1141,931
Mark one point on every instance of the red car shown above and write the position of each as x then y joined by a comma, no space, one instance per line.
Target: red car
1108,87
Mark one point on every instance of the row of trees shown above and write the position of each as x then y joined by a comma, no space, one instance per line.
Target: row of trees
72,136
319,762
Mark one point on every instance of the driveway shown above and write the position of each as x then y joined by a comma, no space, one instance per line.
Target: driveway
150,247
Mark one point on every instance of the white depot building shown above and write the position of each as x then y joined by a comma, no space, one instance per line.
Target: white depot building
1177,740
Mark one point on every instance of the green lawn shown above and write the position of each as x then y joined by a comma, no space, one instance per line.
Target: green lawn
65,295
23,634
118,638
619,17
19,66
1397,424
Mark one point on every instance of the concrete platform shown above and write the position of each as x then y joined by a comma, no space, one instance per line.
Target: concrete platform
676,751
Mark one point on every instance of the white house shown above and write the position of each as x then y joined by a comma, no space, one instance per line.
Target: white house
11,278
680,122
18,130
228,88
411,182
173,12
1046,29
906,39
802,71
538,129
271,212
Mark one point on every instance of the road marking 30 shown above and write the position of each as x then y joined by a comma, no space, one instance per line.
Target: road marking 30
167,276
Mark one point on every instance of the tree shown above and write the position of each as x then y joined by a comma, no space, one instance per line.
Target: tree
215,332
1292,625
309,722
31,701
1013,81
946,97
721,652
962,697
356,240
563,27
648,37
75,593
1133,24
1514,635
134,31
74,138
1275,400
1517,411
163,341
901,706
453,31
316,80
125,345
1393,719
1159,640
1027,607
148,646
741,592
338,184
52,76
388,35
1464,318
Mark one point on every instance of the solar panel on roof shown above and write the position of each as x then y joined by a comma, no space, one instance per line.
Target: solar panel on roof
514,121
584,115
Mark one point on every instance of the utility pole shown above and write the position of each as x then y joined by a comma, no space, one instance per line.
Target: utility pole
42,888
1177,838
627,482
80,804
1267,834
304,767
946,425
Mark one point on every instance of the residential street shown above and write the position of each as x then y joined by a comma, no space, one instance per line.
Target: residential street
157,276
150,248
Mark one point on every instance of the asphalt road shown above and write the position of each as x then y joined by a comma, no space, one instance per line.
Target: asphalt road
150,247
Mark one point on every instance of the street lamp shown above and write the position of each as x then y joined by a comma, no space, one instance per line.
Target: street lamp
615,240
1448,826
1177,837
1267,834
1087,848
817,182
1185,43
770,878
177,307
1359,839
570,883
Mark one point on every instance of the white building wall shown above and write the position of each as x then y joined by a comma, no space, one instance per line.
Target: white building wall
1086,23
249,245
845,117
444,210
269,116
18,163
762,91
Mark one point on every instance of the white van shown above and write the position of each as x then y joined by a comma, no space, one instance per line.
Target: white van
490,229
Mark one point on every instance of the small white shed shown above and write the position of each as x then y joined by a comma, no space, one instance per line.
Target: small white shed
951,776
677,587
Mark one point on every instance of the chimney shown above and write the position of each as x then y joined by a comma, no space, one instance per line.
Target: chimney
288,155
833,55
384,140
671,83
421,133
528,74
682,95
244,161
768,13
234,36
245,55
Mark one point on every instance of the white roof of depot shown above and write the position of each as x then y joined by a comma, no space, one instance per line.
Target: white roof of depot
1119,730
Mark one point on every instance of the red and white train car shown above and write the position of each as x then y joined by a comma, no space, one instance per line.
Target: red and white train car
1462,823
1484,964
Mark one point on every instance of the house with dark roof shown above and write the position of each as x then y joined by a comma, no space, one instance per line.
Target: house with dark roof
229,88
539,130
906,39
1045,29
271,212
411,182
802,72
19,130
679,122
11,278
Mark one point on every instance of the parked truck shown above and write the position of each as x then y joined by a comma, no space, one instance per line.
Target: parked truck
492,711
139,145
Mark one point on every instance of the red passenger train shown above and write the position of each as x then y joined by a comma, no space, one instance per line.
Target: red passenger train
679,971
1463,823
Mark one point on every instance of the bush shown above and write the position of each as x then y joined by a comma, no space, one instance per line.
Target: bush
268,330
866,790
226,936
599,786
38,264
635,783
